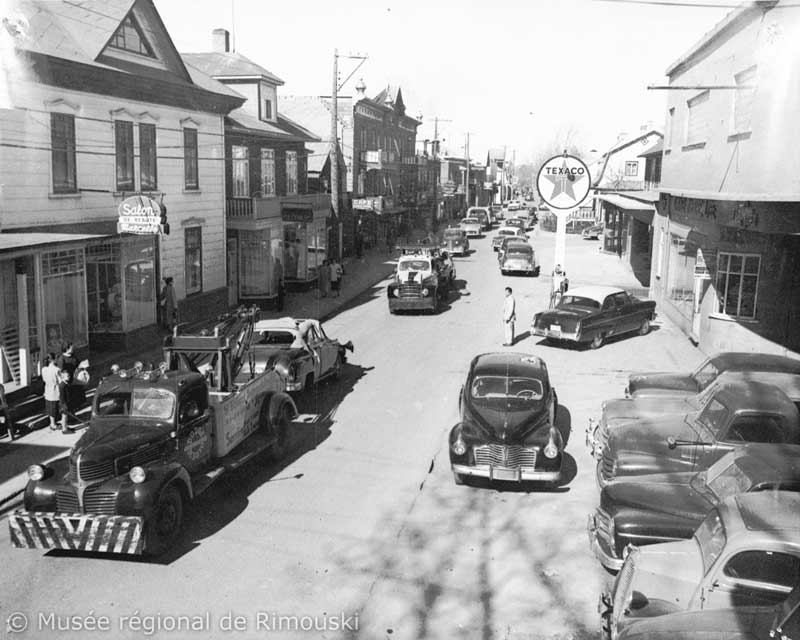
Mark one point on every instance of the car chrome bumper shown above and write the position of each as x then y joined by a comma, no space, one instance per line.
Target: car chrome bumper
503,473
592,442
410,303
556,335
602,553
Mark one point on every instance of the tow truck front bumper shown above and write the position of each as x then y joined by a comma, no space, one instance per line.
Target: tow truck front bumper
76,532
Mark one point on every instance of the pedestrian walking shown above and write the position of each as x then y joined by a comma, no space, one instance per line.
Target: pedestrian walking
325,278
336,272
509,317
52,391
169,309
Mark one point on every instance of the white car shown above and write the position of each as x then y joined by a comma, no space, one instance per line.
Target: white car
507,231
472,226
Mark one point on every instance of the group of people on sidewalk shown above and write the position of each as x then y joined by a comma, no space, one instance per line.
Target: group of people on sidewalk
330,278
64,380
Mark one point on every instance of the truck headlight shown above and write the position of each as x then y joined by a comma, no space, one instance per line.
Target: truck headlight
35,472
396,293
550,450
137,475
425,291
459,448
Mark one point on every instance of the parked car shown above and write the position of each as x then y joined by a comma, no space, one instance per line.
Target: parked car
455,241
622,411
298,349
472,227
482,214
503,232
497,210
594,313
643,510
739,412
577,225
506,243
519,258
746,553
507,427
515,221
593,233
670,383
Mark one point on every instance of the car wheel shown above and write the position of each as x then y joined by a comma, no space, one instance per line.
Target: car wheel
537,271
458,478
165,523
503,271
279,450
644,329
597,341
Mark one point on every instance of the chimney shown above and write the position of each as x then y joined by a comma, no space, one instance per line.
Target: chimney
425,147
221,41
361,89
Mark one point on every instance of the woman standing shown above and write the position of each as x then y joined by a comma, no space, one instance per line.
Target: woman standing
73,394
52,390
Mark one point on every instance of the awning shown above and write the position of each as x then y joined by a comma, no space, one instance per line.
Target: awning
20,243
692,236
642,211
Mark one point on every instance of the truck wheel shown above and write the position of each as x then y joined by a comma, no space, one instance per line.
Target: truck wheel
281,428
644,329
165,523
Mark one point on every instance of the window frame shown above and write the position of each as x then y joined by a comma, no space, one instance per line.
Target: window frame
743,98
634,164
130,22
268,177
63,146
124,153
266,109
291,173
193,273
191,165
694,105
722,296
148,155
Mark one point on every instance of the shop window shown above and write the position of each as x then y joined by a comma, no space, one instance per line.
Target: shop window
737,284
123,140
743,100
129,37
139,277
104,288
190,172
241,172
62,141
254,263
148,154
295,251
193,251
268,172
291,173
680,274
63,275
632,168
697,118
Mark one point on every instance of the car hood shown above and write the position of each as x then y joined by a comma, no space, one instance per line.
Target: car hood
648,407
744,623
662,384
669,571
665,496
108,438
508,424
650,435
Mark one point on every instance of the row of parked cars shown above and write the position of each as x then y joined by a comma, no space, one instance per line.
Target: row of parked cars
699,512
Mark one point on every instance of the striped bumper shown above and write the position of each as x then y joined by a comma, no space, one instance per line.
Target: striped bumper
78,532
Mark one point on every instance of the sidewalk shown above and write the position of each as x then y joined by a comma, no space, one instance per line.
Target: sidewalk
40,444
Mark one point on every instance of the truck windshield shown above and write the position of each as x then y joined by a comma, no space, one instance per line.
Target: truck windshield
453,234
139,402
710,537
414,265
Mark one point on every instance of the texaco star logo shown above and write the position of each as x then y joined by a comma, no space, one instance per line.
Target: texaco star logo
563,182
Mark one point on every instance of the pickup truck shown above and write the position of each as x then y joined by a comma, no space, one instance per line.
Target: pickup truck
156,439
739,412
423,278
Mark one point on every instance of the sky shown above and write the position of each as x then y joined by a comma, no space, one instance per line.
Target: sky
518,74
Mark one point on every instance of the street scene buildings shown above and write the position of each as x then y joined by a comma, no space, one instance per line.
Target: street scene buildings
320,354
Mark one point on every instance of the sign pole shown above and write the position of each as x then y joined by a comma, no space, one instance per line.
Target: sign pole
560,254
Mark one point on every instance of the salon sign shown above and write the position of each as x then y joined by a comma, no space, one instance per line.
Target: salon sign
140,215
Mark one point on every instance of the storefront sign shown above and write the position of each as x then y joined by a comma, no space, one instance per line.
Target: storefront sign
139,215
297,215
563,182
368,204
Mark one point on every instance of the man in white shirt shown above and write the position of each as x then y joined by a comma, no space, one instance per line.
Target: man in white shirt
509,317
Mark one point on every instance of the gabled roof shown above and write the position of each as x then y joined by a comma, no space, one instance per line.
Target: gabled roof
285,129
655,150
395,97
619,145
91,23
230,65
314,113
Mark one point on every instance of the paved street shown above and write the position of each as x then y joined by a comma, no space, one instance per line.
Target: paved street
364,517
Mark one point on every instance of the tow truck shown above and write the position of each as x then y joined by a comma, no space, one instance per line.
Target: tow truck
423,277
157,438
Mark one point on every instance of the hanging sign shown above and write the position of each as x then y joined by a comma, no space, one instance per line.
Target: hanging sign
139,215
563,182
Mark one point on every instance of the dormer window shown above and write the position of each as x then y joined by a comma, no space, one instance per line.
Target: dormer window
267,113
129,37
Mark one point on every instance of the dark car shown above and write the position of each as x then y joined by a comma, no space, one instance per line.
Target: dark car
689,383
740,412
643,510
592,233
455,241
519,258
506,431
483,214
506,243
592,314
506,231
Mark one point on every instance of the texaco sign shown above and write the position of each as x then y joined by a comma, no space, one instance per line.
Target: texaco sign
563,182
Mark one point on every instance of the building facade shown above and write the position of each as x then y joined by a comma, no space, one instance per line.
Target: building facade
115,135
726,255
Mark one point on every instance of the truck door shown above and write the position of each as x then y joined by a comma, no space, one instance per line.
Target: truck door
194,432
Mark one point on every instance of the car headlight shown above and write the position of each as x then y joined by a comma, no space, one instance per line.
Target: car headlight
459,448
35,472
137,475
396,293
550,450
425,291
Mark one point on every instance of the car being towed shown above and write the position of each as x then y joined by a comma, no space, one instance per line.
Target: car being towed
689,383
643,510
593,313
506,430
740,412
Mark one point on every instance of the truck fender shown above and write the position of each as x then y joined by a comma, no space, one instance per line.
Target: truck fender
276,401
160,475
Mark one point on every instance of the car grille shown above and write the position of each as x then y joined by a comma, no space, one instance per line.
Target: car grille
607,465
88,471
508,456
99,502
410,290
67,501
604,524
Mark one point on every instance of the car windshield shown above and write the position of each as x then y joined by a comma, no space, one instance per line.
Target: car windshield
507,232
714,416
710,537
730,481
453,234
470,221
414,265
139,402
579,301
487,389
705,374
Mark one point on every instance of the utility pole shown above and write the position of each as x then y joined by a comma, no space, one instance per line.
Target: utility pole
334,152
466,186
436,176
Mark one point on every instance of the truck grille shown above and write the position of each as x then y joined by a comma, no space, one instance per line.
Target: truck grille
143,456
67,501
602,521
89,471
508,456
99,502
607,468
410,290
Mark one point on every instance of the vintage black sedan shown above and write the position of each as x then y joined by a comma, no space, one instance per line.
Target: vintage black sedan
740,412
519,258
688,383
507,427
653,508
455,241
592,314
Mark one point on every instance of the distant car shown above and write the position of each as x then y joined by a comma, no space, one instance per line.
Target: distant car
507,427
516,222
745,554
482,214
497,210
594,313
643,510
506,243
472,227
503,232
514,205
593,233
689,383
519,258
578,225
455,241
298,349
